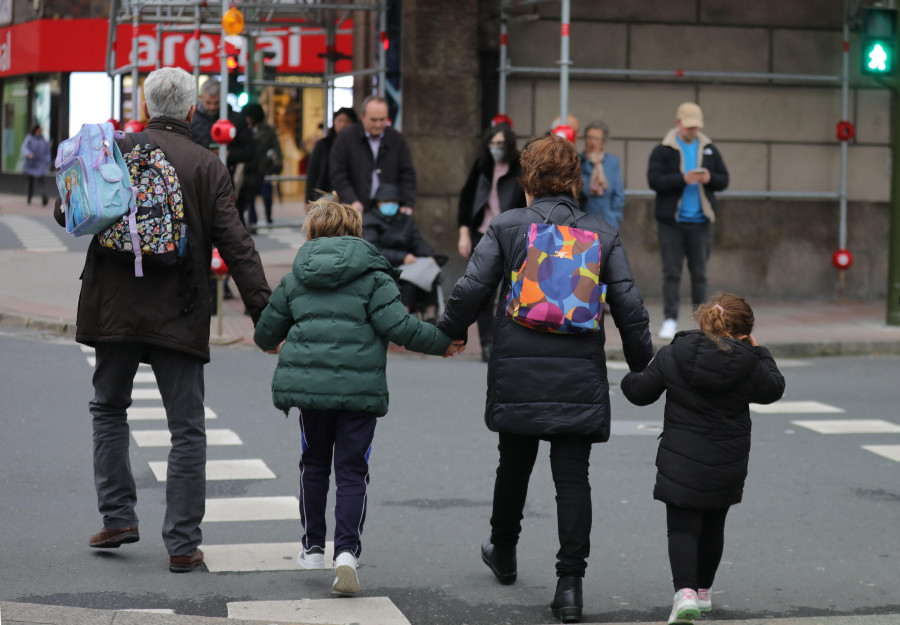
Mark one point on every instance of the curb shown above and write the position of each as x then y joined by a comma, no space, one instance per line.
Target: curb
38,324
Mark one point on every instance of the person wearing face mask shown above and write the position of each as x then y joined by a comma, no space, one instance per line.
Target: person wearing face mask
491,188
397,237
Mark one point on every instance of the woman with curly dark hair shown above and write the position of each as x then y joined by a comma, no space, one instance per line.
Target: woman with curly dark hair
546,386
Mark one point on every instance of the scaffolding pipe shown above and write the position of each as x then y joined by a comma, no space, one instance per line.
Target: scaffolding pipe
501,103
135,53
382,53
223,87
329,71
845,114
564,63
668,73
158,63
197,26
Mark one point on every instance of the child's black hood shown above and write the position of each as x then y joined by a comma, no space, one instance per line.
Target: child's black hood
706,366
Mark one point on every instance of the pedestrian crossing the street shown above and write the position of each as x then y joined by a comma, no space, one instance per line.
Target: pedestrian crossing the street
248,557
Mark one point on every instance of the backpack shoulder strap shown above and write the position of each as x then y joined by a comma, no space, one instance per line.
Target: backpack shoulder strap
548,220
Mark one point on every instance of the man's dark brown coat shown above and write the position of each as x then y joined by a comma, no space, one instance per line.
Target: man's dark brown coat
157,308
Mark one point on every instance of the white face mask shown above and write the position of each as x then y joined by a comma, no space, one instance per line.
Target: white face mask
497,153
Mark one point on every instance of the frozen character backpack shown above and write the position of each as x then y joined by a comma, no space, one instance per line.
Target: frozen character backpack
92,180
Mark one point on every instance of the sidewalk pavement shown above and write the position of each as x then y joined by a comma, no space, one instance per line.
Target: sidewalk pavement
35,614
40,291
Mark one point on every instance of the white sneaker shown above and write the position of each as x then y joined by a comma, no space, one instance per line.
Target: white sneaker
312,558
703,600
345,580
684,607
668,329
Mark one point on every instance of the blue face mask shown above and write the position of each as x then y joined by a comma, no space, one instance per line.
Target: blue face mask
389,209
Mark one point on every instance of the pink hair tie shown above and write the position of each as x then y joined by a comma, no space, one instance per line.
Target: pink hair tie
720,309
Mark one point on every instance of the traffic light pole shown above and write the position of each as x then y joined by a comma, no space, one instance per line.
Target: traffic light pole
893,291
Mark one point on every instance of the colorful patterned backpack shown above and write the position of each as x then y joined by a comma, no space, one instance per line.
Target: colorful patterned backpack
558,287
154,230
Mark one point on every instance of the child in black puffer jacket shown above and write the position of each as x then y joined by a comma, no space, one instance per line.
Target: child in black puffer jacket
710,376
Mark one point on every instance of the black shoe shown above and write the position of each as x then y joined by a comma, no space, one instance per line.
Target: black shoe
568,602
501,560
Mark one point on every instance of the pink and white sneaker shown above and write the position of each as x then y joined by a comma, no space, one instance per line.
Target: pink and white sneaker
703,600
684,607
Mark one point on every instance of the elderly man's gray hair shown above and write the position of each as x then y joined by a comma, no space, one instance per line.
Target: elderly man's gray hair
212,87
170,92
598,125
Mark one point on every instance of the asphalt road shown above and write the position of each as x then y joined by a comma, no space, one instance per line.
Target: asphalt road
817,533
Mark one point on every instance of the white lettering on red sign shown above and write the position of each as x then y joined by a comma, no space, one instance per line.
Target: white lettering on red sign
6,53
179,48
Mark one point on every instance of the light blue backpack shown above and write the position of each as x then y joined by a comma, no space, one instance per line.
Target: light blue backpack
93,180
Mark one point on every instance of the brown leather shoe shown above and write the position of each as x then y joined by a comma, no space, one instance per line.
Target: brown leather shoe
113,538
185,564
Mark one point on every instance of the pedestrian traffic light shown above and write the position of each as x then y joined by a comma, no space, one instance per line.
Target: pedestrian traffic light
879,41
236,86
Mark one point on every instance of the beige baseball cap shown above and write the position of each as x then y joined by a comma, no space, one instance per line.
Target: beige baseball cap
690,115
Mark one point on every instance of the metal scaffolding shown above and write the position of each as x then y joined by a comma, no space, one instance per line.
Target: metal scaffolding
507,7
261,16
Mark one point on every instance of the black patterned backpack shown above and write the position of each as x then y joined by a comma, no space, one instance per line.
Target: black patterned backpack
153,232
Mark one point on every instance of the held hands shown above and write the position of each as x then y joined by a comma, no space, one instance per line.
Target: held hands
357,205
456,347
274,351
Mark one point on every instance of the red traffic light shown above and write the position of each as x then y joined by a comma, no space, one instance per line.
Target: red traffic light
223,132
842,259
565,131
218,265
134,125
231,63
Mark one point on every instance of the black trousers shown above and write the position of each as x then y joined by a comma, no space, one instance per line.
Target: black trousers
346,438
696,540
36,181
677,242
569,462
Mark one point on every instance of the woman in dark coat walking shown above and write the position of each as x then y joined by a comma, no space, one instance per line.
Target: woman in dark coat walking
318,175
36,161
491,188
710,377
544,386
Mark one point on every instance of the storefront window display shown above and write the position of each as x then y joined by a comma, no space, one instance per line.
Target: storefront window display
15,122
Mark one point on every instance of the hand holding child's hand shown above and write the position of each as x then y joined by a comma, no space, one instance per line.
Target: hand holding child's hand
274,351
456,347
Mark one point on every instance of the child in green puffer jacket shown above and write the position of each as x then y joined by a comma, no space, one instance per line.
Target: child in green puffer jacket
335,312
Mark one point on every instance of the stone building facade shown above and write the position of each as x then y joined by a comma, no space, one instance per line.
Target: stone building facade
775,135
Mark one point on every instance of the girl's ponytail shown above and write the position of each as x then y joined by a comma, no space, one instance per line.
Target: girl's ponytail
725,315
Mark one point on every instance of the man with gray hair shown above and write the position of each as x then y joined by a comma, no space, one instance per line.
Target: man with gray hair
604,192
370,153
162,319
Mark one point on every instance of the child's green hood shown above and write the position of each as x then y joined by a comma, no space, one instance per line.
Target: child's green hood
332,262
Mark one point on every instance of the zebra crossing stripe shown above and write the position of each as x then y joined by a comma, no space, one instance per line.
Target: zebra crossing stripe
159,414
361,610
162,438
891,452
850,426
254,557
253,469
33,235
145,393
794,407
252,509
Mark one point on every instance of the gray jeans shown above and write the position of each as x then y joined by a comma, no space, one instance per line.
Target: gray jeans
180,380
677,241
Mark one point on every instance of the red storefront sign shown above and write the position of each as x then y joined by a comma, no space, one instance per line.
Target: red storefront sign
296,50
65,45
44,46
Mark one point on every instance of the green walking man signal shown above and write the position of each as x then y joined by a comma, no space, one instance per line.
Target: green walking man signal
878,38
